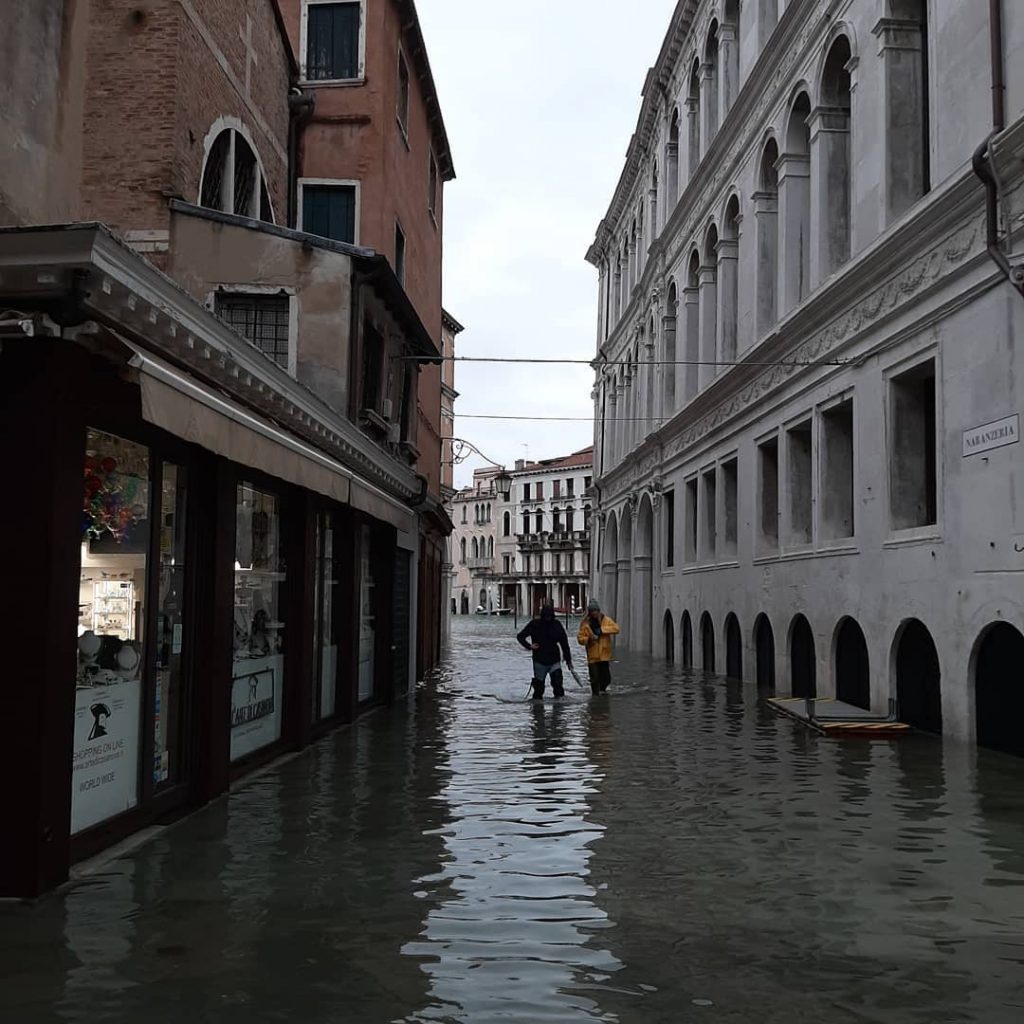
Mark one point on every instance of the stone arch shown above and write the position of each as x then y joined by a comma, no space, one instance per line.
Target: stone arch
833,159
669,633
802,664
731,37
795,202
729,279
691,354
918,677
672,161
707,642
476,548
709,355
669,372
693,114
610,566
506,524
764,650
714,83
998,677
464,602
733,647
233,179
686,629
625,576
852,665
766,214
643,582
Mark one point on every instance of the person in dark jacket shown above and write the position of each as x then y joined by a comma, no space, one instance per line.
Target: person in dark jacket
545,637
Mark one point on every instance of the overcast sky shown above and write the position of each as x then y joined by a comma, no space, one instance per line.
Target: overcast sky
540,100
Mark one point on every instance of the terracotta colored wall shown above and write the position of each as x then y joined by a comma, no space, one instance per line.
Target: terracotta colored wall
156,86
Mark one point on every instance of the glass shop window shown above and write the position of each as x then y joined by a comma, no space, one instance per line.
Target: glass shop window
116,531
259,630
326,633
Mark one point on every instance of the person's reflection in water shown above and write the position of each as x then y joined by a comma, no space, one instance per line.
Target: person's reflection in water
598,727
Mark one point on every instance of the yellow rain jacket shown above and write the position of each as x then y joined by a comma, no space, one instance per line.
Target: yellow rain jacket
599,648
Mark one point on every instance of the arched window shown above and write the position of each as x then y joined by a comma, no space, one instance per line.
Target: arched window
728,280
766,214
570,520
832,160
767,19
633,259
653,198
794,177
587,513
672,162
506,526
462,550
712,86
692,354
233,180
488,511
709,308
476,548
490,547
693,117
668,353
729,41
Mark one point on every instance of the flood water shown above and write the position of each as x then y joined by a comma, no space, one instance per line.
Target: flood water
674,852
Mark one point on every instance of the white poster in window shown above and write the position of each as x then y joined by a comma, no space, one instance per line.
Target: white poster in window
257,690
105,766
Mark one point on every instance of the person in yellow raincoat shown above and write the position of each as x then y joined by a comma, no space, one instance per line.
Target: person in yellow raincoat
596,632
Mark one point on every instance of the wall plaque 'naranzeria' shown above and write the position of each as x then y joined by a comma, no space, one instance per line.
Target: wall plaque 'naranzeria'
992,435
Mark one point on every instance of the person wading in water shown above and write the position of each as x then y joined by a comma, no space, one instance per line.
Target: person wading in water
596,632
549,644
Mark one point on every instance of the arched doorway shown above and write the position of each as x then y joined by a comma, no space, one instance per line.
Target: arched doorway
707,643
609,567
803,675
918,678
764,646
643,584
670,637
733,647
853,673
625,580
999,689
687,631
465,603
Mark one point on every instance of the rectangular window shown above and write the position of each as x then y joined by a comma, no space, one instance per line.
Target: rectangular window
526,523
373,358
557,563
837,515
570,520
539,517
730,498
670,530
402,111
768,489
540,490
556,522
691,520
400,253
913,488
333,41
799,452
263,320
556,488
570,488
432,180
587,481
526,492
257,688
710,514
329,211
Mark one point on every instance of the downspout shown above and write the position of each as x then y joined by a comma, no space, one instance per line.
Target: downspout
300,110
982,159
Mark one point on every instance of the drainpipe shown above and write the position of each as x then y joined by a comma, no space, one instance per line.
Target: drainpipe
300,110
982,159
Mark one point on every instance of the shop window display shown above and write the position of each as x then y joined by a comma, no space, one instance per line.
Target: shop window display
111,629
325,636
260,575
367,617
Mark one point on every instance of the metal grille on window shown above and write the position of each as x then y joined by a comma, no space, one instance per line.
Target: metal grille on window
213,178
245,178
261,319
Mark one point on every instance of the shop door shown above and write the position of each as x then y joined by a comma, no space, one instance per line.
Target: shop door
367,617
401,621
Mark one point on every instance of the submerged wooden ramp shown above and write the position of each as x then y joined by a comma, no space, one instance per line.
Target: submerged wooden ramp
836,719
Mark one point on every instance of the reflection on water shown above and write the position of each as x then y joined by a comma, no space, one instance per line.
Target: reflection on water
674,852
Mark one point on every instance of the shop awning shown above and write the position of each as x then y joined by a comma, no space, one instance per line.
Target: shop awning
195,413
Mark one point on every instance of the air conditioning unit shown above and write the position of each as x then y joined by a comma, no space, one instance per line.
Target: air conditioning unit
386,408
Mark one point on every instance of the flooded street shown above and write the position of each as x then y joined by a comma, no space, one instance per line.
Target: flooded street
674,852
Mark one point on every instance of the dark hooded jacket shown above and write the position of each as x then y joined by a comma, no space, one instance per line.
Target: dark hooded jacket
549,633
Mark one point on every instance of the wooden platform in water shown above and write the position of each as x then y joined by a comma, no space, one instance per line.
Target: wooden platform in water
836,719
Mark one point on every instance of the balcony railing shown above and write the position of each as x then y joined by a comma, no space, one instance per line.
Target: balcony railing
561,538
522,574
480,563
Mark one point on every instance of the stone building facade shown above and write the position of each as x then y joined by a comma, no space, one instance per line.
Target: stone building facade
476,512
808,388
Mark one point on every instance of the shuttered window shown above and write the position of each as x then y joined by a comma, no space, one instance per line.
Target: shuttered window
330,211
332,41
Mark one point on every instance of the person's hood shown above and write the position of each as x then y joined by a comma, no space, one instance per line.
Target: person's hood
547,614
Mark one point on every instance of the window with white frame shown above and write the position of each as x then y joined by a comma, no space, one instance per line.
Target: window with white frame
334,40
330,209
263,319
233,179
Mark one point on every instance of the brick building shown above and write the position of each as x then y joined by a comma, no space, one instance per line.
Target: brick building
235,444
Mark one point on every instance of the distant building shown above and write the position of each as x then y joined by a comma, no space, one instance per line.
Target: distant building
476,513
450,330
808,395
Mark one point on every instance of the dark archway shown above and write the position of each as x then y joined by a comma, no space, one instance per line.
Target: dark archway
803,674
707,643
918,678
999,689
670,637
687,631
853,672
465,603
764,645
733,647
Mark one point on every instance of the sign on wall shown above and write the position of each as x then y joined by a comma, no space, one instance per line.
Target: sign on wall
992,435
105,766
256,695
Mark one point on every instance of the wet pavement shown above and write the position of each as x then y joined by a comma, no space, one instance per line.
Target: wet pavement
674,852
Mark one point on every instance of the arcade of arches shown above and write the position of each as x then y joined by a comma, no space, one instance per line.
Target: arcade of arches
790,656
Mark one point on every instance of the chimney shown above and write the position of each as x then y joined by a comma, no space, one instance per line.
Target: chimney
520,464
